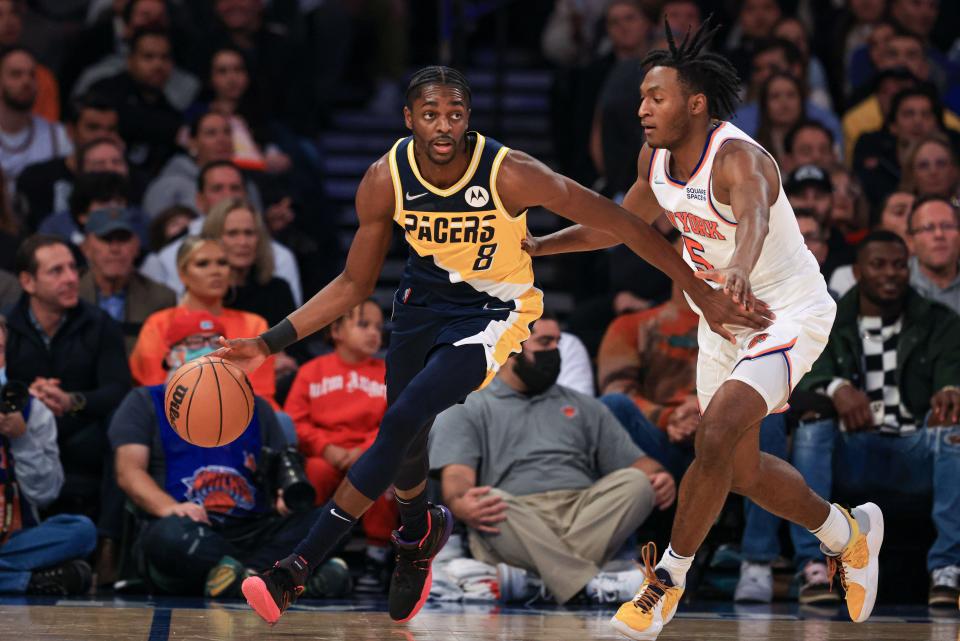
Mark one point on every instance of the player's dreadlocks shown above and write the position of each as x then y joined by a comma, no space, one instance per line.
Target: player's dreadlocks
701,71
436,75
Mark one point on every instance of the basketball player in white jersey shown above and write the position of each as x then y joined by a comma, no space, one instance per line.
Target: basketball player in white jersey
724,193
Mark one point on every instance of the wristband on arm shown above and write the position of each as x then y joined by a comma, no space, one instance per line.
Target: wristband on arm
280,336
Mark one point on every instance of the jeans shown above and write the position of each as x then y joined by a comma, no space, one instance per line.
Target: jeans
60,538
760,542
287,427
865,463
180,552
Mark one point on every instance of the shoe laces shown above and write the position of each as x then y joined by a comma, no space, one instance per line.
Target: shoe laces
855,555
648,597
948,576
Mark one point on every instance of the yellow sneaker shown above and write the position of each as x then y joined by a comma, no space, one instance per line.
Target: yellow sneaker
654,605
858,563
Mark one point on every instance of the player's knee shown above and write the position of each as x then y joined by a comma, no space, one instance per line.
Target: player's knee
715,442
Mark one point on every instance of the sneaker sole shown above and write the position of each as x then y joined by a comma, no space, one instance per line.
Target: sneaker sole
258,597
630,633
942,602
447,531
874,542
826,597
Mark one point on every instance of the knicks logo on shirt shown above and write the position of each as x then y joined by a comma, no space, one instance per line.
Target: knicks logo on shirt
220,489
450,229
692,224
756,340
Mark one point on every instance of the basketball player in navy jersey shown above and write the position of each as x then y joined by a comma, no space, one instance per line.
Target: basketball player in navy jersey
723,192
465,303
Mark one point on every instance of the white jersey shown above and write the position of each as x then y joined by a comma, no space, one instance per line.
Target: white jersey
786,272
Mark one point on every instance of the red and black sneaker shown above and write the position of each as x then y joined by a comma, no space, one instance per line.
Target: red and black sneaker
410,584
275,590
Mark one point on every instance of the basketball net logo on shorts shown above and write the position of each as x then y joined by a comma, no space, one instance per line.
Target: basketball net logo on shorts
477,197
756,340
219,489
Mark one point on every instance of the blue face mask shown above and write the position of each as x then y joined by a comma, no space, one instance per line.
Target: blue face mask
191,354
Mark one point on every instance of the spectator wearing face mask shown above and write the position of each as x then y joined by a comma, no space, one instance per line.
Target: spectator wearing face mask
547,481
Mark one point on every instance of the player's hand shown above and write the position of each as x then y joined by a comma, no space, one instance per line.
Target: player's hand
719,310
531,245
352,456
479,511
189,509
664,488
853,408
945,407
736,284
246,353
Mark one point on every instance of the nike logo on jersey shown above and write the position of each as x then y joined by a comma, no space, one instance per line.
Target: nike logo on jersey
409,197
333,511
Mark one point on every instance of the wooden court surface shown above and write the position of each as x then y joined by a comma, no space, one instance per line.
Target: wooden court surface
104,620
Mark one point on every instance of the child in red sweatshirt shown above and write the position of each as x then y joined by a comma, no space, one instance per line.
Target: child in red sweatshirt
337,401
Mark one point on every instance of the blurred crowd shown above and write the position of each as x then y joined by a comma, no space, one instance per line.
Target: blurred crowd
163,187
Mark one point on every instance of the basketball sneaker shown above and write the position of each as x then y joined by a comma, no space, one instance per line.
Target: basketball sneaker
654,605
858,563
275,590
413,574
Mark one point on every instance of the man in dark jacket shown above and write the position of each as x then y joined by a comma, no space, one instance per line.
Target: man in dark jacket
71,355
892,371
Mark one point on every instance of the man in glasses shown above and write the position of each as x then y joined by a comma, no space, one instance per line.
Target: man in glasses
935,244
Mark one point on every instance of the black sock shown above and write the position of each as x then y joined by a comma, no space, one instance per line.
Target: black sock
331,526
413,515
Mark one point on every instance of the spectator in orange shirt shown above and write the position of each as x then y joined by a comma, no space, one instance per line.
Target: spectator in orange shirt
205,272
337,402
47,104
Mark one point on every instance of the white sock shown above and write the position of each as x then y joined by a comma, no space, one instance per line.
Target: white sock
835,532
676,565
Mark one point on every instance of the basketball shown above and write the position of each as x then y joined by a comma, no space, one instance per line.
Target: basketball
209,402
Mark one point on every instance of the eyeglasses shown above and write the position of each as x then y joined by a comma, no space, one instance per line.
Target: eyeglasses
932,228
926,165
198,342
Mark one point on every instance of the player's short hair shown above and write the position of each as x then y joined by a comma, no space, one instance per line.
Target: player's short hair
700,71
436,75
880,236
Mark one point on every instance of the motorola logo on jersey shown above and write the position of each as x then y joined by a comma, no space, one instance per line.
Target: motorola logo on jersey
476,197
444,228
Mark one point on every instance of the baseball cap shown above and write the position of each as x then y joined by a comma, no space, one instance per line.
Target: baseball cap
102,222
191,323
808,176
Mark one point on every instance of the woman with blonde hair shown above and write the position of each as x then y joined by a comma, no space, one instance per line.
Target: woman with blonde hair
931,168
253,286
205,271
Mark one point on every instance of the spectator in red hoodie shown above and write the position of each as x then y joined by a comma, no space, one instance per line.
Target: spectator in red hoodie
337,401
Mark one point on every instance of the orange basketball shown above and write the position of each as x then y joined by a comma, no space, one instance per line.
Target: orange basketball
209,401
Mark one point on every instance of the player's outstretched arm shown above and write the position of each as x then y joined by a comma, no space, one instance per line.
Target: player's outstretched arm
524,182
638,200
745,177
375,203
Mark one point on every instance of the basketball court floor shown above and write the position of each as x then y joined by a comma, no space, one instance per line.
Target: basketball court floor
195,620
